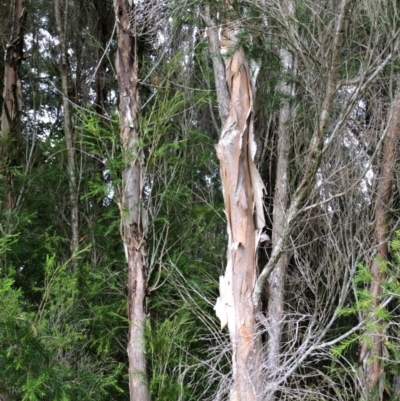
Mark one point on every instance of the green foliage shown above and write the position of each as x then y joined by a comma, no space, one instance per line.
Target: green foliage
100,139
63,325
377,318
363,298
363,275
45,351
166,342
343,347
59,327
184,202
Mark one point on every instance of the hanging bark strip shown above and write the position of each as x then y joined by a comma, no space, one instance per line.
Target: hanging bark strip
372,350
243,191
132,213
62,23
12,95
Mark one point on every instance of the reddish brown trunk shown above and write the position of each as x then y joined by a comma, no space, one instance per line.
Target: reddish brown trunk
371,353
133,230
12,95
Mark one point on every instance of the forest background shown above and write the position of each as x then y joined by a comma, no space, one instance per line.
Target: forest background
199,200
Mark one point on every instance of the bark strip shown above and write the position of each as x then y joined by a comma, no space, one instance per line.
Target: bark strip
243,190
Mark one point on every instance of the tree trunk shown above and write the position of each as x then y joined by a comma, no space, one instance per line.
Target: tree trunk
61,24
276,281
104,25
132,213
243,190
12,95
372,350
314,152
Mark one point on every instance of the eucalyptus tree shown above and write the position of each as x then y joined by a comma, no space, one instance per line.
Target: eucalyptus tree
243,191
133,213
322,88
372,351
379,135
11,104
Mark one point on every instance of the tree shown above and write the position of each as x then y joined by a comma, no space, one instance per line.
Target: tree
372,350
329,91
308,287
276,281
61,24
12,95
243,191
133,213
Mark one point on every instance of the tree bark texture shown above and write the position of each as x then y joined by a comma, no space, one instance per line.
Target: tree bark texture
132,213
61,24
243,191
12,93
372,350
276,281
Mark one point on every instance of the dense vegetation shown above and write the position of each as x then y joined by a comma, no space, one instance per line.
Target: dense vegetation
323,104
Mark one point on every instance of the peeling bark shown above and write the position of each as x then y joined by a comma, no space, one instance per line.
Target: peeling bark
243,195
243,191
132,213
372,350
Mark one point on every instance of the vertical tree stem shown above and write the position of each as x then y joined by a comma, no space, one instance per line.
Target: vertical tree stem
133,229
61,23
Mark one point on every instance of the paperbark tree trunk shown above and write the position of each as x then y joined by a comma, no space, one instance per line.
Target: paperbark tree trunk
12,95
372,350
243,191
61,17
132,213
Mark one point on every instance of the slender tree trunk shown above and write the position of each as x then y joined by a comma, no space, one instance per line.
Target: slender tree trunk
132,212
12,95
314,152
276,281
243,189
104,25
372,351
61,24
